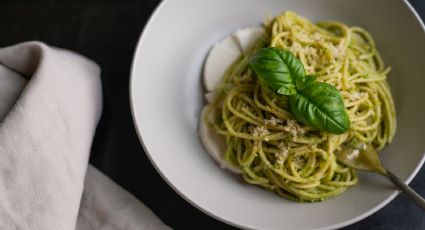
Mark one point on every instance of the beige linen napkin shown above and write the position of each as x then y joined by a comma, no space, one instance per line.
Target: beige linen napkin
50,103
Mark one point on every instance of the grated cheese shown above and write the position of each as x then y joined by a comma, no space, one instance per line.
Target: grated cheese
294,128
282,154
354,154
260,131
357,95
273,121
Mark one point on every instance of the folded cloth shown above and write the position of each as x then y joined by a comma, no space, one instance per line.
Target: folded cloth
50,104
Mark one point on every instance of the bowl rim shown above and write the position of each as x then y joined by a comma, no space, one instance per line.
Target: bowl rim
136,55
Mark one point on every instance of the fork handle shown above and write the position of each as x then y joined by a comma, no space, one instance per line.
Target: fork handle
414,196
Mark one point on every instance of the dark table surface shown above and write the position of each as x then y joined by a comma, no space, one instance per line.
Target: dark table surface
107,32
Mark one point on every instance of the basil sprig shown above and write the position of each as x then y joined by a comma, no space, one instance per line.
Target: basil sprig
316,104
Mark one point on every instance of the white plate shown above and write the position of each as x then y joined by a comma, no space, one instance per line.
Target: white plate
166,98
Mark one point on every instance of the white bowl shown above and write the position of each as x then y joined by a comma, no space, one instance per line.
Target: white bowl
166,98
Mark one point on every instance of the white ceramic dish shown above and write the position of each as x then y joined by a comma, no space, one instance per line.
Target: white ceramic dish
166,98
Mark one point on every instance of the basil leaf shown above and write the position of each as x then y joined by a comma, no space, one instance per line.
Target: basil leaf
287,89
320,106
277,69
303,82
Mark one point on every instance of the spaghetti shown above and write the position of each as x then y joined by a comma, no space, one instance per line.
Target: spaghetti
276,152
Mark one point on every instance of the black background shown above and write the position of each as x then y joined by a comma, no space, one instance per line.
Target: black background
107,32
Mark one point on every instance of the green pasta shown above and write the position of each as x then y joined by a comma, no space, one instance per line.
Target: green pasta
276,152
